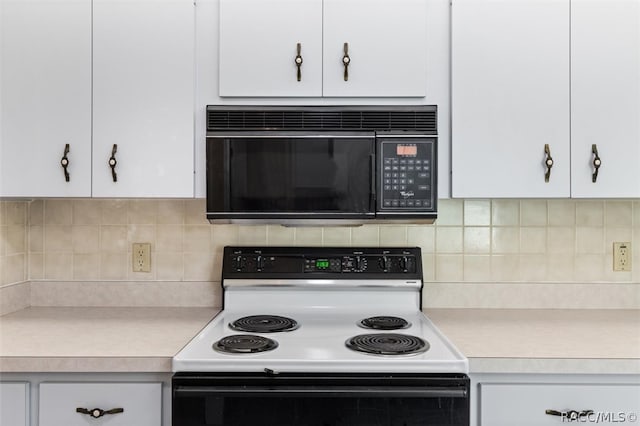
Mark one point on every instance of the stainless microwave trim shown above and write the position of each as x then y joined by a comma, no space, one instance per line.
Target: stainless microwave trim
402,135
279,134
310,214
293,134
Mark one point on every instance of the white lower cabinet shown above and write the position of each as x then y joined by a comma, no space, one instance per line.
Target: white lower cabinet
14,404
121,404
539,404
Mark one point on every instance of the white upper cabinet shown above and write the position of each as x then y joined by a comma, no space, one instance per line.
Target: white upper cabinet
513,92
93,75
45,94
605,97
143,97
258,47
510,98
385,42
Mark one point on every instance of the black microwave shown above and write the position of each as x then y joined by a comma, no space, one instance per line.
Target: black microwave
322,165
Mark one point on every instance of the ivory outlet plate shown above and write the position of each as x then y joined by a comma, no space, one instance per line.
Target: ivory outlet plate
622,256
141,257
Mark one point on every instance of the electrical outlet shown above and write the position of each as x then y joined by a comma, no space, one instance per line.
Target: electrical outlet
621,256
141,257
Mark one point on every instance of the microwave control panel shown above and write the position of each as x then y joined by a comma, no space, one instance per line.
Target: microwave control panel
407,174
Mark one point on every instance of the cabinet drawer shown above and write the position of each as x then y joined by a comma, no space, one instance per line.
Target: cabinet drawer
141,403
14,399
525,404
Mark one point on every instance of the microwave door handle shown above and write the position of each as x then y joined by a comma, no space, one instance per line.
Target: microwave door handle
372,189
228,154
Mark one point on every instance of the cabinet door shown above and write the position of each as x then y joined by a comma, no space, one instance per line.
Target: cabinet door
258,47
605,97
45,94
143,86
14,404
510,98
140,403
387,47
526,404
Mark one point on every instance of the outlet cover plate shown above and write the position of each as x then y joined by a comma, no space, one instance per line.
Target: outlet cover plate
622,256
141,257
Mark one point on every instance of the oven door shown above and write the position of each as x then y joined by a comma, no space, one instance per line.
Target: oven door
290,175
320,400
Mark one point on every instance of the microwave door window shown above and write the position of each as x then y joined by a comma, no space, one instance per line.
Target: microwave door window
314,179
300,175
259,176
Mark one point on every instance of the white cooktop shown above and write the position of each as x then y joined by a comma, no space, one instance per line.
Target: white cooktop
318,345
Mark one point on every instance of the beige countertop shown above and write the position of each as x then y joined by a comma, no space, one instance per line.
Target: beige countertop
544,340
97,339
145,339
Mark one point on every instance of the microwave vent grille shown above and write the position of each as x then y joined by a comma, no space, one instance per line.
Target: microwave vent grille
419,119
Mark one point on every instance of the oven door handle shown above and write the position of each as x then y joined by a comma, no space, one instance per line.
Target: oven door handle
339,391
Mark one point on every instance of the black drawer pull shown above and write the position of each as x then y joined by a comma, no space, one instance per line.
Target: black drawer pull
299,60
548,162
98,412
346,60
64,162
597,162
571,415
113,162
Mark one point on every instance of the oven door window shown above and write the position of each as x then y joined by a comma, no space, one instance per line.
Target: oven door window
300,174
324,411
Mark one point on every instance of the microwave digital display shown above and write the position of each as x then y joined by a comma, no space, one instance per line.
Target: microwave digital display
407,150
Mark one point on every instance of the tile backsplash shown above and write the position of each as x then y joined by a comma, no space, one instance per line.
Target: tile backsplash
473,241
13,242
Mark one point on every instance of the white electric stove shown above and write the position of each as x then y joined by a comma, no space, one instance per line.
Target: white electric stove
320,337
321,296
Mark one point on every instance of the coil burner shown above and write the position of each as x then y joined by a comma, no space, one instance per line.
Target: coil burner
387,344
244,344
384,323
264,324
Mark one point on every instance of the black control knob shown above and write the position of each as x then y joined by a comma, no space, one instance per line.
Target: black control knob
384,263
404,262
259,262
358,263
237,262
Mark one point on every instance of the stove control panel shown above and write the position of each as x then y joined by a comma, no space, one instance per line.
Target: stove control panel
385,263
283,262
